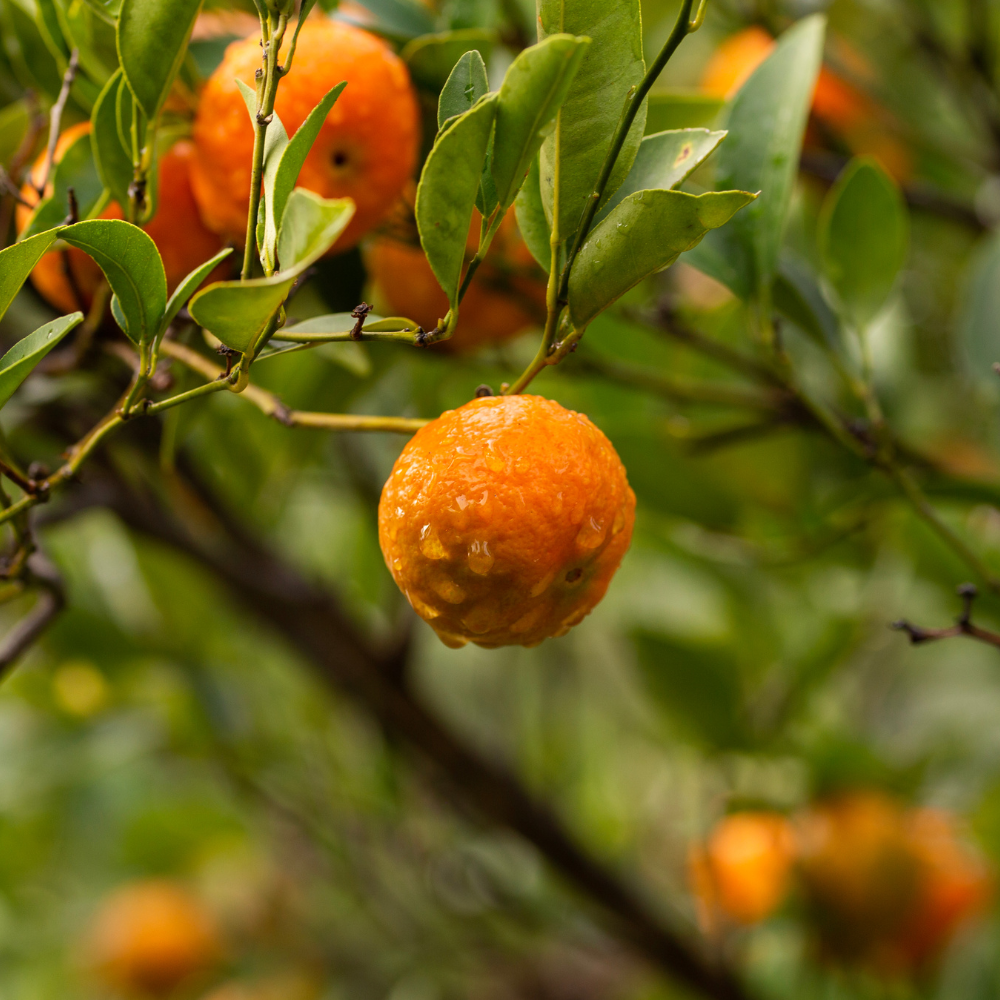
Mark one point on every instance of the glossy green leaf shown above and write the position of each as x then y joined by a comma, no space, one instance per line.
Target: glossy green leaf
132,265
238,312
282,163
531,218
611,66
27,50
190,285
112,161
152,41
125,109
18,261
466,84
14,121
643,235
108,10
766,123
979,330
76,170
92,36
447,192
863,233
17,363
664,160
334,323
534,88
400,19
431,58
668,110
47,21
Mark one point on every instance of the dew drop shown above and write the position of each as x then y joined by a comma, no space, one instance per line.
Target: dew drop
480,558
590,535
543,584
426,611
619,522
480,619
448,590
528,620
430,544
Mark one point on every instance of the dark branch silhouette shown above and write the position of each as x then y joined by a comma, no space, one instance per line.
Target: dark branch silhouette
963,624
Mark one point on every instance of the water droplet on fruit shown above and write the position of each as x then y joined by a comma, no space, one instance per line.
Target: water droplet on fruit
480,558
430,544
543,584
480,619
448,590
528,620
426,611
590,535
619,522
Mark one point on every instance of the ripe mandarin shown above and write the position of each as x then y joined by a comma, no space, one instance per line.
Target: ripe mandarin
742,870
505,297
176,229
503,521
151,937
366,149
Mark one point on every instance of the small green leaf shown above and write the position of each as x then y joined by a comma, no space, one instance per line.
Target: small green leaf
132,265
589,116
979,332
14,121
797,296
668,110
35,63
467,83
531,218
124,108
862,239
766,123
337,323
76,170
643,235
238,312
190,285
447,192
399,19
431,58
112,161
664,160
282,166
18,261
93,37
51,30
533,90
152,41
17,363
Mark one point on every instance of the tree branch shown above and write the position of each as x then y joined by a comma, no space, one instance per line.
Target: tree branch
51,601
963,624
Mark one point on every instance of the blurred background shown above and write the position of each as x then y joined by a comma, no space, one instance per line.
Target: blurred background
193,805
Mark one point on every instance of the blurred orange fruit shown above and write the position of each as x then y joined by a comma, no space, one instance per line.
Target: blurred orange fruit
505,297
742,870
503,521
366,149
151,937
176,229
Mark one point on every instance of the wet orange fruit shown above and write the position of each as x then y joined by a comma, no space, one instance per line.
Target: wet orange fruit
742,870
505,297
176,229
151,937
366,149
503,521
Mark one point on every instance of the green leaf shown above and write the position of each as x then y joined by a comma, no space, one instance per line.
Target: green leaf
123,118
534,88
531,218
238,312
467,83
447,192
17,363
14,121
399,19
334,323
112,161
587,120
109,10
797,296
664,160
282,163
152,41
674,109
761,153
979,331
18,261
862,236
431,58
643,235
132,265
51,31
93,36
190,285
28,51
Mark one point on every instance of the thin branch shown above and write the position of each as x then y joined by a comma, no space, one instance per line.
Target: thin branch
51,601
963,624
55,121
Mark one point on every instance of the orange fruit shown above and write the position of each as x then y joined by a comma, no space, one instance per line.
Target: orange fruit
505,297
503,521
734,60
742,870
366,149
150,937
176,229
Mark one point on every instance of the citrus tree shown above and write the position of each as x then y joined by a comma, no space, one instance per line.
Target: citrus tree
711,277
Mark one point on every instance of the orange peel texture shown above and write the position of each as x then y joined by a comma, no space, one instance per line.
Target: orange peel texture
366,149
503,521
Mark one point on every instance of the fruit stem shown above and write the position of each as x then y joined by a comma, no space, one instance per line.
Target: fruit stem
683,26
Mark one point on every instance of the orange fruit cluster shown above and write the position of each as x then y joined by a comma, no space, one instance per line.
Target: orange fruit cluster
837,105
505,297
503,521
366,149
881,884
149,938
177,231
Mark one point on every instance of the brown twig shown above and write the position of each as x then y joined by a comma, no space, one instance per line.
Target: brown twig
51,600
55,121
963,624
